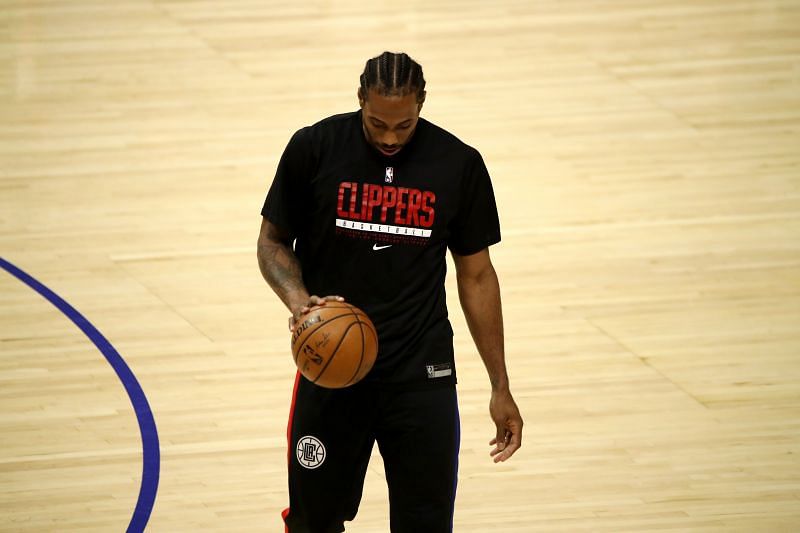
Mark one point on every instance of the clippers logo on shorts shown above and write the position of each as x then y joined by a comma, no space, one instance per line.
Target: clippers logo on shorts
385,213
439,371
310,452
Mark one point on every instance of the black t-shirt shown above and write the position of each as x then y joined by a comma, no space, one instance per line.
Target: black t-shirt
375,229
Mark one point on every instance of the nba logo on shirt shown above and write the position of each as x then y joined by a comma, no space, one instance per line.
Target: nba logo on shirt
389,175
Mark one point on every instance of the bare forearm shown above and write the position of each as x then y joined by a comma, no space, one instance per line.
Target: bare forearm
281,270
480,300
479,292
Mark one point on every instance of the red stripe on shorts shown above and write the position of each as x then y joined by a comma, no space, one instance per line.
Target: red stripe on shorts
285,512
291,418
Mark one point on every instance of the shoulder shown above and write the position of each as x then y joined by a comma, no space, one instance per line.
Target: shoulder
465,160
448,144
332,125
311,141
339,120
322,134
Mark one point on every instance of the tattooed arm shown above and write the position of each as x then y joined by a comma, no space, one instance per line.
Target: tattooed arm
281,269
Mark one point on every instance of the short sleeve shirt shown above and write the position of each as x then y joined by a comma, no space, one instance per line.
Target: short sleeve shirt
375,229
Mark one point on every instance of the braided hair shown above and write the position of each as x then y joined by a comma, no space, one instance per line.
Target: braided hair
393,74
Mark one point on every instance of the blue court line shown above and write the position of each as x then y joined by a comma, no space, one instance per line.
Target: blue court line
147,426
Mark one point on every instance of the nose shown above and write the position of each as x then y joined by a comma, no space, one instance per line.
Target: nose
390,139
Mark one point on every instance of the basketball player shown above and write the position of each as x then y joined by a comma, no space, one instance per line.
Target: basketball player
364,206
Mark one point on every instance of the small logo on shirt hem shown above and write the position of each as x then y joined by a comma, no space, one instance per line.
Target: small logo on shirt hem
440,370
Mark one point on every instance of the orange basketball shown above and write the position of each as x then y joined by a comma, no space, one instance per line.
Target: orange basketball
335,345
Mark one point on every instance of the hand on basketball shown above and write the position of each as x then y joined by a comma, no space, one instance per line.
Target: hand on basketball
506,417
313,301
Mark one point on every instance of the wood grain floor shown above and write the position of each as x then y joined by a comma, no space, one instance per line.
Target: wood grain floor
646,160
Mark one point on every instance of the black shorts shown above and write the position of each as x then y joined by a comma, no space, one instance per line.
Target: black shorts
331,433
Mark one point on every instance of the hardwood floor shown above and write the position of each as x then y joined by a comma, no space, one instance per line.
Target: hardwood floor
646,162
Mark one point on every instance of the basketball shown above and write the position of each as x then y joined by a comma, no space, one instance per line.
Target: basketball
335,345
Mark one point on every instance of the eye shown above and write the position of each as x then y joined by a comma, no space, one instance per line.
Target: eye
404,127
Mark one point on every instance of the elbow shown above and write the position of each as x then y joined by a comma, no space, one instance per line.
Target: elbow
486,274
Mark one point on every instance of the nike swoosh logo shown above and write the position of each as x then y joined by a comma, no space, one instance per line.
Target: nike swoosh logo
376,247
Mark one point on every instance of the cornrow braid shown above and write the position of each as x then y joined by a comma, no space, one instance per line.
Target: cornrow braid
393,74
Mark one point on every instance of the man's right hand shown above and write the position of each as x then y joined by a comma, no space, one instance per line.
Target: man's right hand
313,301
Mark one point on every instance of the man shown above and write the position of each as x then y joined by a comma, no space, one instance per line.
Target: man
372,200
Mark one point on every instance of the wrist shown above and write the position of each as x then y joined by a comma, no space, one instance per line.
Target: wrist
297,302
500,386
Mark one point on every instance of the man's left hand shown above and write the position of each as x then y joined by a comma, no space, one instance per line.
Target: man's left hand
506,417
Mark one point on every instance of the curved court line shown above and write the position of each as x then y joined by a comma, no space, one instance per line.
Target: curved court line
147,426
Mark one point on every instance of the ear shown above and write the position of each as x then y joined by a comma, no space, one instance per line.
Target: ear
361,99
421,101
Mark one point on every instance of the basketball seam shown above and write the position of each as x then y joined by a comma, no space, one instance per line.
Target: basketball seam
334,305
333,354
316,326
363,347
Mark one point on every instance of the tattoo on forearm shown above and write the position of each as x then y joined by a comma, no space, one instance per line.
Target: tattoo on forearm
281,269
